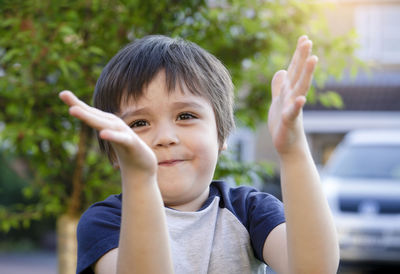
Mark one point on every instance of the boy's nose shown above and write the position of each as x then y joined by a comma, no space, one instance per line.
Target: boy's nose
165,136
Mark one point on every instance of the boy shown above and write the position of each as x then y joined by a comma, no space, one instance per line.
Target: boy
163,110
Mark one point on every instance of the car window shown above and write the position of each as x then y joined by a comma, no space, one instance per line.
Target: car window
365,162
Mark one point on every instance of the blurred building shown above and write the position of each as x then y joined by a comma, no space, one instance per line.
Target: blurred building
372,98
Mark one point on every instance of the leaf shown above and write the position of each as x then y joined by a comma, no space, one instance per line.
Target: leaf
5,226
27,192
64,68
96,50
66,30
12,110
331,99
10,54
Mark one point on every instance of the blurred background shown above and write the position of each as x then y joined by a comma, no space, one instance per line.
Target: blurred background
50,166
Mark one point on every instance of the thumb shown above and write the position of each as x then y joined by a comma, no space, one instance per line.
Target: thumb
277,82
295,108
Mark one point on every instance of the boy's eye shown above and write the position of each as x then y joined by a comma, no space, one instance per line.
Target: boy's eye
186,116
138,123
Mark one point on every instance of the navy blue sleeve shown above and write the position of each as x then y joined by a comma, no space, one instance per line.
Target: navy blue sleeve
98,232
259,212
265,213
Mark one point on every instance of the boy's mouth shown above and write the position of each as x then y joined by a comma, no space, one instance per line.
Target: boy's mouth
170,162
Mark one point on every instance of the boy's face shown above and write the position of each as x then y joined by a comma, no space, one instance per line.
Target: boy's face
181,130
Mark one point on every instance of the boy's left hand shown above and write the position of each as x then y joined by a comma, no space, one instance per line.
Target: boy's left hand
289,89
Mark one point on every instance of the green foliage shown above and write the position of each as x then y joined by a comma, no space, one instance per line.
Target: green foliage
331,99
48,46
242,173
10,192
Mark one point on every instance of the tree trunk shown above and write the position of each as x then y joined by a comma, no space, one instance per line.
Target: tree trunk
67,244
75,201
68,222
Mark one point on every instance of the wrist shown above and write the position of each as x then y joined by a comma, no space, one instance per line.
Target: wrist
137,178
297,151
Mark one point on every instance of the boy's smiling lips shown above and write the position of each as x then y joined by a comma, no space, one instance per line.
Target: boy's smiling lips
170,162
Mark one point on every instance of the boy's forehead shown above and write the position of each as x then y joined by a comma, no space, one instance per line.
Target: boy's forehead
151,95
146,94
160,88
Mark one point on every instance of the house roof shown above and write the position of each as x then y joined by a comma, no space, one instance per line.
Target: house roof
371,100
375,91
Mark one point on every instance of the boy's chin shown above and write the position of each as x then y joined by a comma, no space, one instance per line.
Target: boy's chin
184,198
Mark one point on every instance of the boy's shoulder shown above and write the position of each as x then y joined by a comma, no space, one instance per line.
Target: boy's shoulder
98,231
241,201
245,201
112,205
106,212
231,197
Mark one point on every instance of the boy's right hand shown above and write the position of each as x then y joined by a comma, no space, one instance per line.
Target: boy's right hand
133,155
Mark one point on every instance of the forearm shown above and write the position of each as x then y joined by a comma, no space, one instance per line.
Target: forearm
144,244
311,234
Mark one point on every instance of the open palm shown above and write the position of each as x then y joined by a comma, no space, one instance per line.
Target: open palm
289,89
131,152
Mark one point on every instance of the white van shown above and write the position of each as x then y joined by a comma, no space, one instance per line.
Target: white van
362,184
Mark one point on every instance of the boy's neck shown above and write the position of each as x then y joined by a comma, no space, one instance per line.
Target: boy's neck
193,205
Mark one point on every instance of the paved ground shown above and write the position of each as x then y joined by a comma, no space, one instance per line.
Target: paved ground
28,263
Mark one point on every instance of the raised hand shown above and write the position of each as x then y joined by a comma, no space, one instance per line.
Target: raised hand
131,152
289,89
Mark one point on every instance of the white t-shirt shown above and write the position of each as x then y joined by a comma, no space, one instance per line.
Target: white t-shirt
226,235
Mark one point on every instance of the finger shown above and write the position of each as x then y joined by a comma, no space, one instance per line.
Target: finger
304,83
277,82
300,41
117,137
294,110
93,120
124,140
299,64
70,99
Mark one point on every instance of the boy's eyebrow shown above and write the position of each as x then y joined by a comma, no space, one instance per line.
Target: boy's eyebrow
190,104
145,110
131,112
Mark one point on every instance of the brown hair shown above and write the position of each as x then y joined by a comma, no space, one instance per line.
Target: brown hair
184,62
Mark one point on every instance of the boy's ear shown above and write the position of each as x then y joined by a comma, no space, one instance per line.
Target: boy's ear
115,165
113,159
224,146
